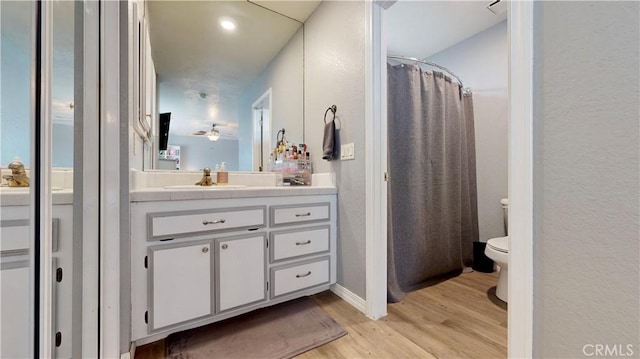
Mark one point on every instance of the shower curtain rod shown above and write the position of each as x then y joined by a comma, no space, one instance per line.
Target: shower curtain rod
397,57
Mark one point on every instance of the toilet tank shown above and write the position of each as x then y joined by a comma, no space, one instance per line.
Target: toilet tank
505,213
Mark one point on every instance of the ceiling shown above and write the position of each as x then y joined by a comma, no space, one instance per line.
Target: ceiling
203,69
423,28
299,10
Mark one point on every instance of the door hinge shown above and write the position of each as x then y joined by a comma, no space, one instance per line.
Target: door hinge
146,317
58,339
267,242
59,275
146,261
267,286
386,176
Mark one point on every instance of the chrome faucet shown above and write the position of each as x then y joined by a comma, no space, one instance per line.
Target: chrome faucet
206,178
18,176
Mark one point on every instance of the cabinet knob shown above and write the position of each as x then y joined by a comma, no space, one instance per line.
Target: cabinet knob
225,246
205,249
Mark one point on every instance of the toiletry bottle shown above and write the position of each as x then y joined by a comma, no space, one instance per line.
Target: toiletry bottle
222,175
270,163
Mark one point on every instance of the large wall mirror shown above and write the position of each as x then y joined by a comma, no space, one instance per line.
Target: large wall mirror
16,74
230,73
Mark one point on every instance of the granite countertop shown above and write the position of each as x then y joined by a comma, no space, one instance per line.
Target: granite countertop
172,194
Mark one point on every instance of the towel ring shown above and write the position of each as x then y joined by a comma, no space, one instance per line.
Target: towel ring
333,109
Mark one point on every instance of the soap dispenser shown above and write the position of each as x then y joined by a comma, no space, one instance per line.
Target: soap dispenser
222,175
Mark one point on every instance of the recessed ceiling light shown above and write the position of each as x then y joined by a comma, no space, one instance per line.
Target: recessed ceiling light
227,24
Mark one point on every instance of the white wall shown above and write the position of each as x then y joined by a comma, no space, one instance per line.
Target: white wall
481,62
198,152
586,151
334,75
285,78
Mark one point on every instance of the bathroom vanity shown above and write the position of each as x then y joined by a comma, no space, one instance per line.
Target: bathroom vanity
200,255
15,252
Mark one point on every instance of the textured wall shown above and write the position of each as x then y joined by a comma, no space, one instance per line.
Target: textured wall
334,75
482,62
586,150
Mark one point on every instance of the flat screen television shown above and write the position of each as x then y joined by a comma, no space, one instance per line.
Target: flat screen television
163,130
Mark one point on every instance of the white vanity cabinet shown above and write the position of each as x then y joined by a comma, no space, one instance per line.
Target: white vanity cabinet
198,261
180,283
241,278
16,290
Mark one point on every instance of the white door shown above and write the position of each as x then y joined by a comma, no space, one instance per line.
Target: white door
180,280
241,271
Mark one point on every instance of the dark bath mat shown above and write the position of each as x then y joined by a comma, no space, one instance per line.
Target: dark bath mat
281,331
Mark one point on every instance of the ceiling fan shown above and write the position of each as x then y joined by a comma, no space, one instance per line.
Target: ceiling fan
213,134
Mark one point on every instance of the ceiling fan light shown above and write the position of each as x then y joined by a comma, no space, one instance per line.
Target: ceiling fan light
213,135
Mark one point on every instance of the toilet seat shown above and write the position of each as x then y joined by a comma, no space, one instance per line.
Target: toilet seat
500,244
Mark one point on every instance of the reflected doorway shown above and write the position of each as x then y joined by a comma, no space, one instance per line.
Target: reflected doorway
261,112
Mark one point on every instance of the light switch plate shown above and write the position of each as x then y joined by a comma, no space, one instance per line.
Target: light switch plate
347,151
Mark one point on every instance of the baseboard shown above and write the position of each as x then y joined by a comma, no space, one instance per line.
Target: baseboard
350,297
131,353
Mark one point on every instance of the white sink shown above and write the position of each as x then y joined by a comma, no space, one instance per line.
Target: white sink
214,187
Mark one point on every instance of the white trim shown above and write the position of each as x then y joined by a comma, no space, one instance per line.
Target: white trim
376,160
349,297
110,182
44,173
520,341
90,184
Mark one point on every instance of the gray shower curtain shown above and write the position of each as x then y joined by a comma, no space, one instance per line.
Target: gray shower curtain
432,216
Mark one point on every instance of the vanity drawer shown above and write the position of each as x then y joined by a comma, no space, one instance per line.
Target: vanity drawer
15,238
299,276
305,213
189,223
299,242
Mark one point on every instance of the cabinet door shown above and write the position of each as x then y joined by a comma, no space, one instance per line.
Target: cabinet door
14,309
180,283
241,270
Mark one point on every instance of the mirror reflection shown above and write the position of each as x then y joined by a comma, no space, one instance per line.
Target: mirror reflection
16,83
16,57
229,76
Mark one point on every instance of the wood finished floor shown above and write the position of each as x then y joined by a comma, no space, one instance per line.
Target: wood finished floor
457,318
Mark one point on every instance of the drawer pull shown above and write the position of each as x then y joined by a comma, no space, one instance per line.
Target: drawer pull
303,243
213,222
303,275
303,214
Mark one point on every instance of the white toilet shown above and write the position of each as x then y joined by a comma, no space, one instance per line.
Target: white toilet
498,250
